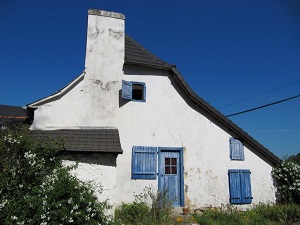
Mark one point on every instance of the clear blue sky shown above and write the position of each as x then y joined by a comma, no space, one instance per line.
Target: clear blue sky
226,50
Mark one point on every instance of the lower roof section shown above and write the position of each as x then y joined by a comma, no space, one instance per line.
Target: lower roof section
101,140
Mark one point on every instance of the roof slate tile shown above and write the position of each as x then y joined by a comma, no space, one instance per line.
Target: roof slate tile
84,140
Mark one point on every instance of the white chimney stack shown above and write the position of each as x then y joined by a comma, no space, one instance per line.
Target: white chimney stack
105,48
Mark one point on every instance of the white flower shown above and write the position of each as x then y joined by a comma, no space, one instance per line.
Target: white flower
14,217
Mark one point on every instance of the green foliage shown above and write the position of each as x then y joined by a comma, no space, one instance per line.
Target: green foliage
151,207
217,217
287,179
259,215
282,213
294,159
133,213
36,188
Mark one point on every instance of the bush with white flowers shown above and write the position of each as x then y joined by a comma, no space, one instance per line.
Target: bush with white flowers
287,178
36,188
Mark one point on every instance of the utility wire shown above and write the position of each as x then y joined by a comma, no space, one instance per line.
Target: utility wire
258,94
263,106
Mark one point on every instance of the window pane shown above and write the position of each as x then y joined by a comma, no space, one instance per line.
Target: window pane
167,170
167,161
174,161
137,92
174,170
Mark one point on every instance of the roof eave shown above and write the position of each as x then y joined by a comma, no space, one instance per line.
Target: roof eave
224,120
59,93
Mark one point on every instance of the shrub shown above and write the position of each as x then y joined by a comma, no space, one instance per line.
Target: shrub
287,179
36,188
132,214
282,213
151,207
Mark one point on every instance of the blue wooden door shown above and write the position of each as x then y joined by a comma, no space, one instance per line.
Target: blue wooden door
170,175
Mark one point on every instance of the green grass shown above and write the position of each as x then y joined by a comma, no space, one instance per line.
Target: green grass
259,215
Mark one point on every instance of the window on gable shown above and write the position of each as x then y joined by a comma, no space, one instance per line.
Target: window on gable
144,163
236,149
240,186
135,91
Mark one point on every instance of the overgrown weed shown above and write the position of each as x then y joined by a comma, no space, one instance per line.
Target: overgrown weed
152,207
262,214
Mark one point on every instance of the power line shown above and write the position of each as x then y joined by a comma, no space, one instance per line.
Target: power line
263,106
262,93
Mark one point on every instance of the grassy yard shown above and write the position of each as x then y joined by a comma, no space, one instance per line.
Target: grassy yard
260,215
288,214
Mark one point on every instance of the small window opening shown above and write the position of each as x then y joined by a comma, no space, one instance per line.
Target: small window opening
137,91
170,165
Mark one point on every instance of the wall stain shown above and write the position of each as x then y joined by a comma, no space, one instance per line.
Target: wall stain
93,33
105,87
116,34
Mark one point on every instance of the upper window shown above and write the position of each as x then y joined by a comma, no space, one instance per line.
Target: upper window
240,186
135,91
144,162
236,149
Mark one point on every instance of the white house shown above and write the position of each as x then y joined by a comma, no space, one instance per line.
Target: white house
132,121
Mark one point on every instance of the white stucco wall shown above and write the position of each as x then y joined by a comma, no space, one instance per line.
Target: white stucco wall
164,120
99,170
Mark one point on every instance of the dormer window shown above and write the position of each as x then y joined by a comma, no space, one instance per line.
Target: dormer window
134,91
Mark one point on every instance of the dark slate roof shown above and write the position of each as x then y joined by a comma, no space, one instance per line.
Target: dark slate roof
135,54
12,111
12,115
85,140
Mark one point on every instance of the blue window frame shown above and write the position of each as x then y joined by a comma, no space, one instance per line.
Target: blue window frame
144,161
240,186
134,91
236,149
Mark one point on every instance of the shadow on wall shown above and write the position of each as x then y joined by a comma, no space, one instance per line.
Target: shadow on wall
104,159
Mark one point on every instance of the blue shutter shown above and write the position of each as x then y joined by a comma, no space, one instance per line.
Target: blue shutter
144,162
240,186
246,193
234,186
236,149
126,89
144,93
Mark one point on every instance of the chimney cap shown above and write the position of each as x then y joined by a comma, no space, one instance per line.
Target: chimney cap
98,12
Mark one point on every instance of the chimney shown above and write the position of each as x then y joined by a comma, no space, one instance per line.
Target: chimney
105,48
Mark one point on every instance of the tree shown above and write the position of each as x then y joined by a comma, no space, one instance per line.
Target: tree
287,179
36,188
294,159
